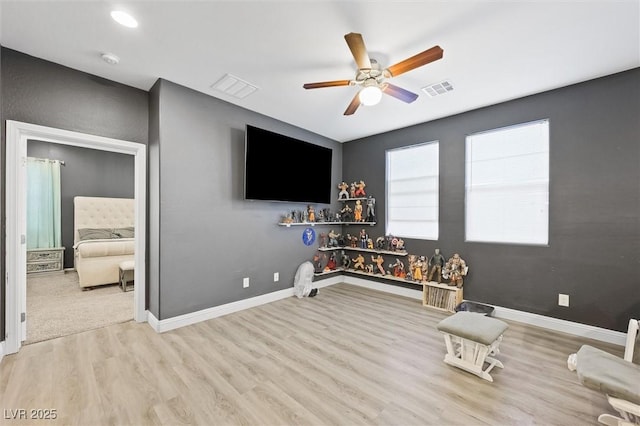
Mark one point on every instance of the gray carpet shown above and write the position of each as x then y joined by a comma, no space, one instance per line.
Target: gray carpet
57,306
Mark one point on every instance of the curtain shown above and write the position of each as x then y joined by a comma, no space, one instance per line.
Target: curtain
43,203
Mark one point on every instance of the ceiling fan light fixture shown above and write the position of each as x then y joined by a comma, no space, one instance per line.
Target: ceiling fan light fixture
123,18
370,95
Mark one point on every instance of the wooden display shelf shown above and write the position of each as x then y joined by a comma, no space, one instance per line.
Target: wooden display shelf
324,223
348,248
352,199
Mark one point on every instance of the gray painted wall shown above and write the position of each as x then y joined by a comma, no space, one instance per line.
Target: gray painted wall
89,173
210,237
40,92
594,242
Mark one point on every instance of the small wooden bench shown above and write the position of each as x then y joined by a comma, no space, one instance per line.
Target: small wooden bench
127,269
470,339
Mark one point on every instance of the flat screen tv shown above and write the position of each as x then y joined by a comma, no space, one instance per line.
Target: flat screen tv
282,168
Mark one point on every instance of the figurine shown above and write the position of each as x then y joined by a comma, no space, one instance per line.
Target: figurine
287,219
327,215
370,243
331,264
352,190
454,270
357,212
363,238
379,262
353,243
369,269
358,262
333,239
371,214
412,261
311,214
380,243
424,266
318,262
400,245
346,213
393,243
398,269
344,194
359,192
436,263
322,240
345,261
417,269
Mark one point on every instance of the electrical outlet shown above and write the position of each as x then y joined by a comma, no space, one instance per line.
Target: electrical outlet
245,282
563,299
276,277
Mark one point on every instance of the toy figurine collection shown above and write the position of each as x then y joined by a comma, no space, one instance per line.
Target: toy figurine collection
418,269
362,209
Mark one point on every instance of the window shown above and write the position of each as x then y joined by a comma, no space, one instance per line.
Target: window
507,185
412,191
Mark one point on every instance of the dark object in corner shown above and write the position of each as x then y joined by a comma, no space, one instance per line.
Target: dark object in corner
313,292
475,307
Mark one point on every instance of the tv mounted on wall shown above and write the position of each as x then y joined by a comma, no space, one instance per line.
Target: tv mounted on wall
282,168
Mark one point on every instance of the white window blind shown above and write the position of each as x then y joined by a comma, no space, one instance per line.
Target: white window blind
507,185
412,191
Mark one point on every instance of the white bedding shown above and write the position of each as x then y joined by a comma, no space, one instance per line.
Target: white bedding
111,247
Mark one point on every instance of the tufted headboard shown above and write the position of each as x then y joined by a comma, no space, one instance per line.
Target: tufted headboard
102,212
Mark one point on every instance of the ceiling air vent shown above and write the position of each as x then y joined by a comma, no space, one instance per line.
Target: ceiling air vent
234,86
438,88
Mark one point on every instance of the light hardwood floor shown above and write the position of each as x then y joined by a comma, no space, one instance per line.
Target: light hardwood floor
350,356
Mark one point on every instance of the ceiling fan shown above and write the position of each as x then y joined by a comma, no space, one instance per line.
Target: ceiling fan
372,79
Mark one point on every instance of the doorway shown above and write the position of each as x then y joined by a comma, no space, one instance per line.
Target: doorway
15,205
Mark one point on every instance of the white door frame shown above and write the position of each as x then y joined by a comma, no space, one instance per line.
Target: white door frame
16,211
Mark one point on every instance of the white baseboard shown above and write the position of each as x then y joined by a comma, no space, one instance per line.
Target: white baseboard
563,326
387,288
326,282
1,350
569,327
217,311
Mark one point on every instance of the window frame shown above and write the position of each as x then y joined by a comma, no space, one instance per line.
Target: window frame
388,205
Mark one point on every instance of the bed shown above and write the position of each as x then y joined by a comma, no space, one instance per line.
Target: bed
104,236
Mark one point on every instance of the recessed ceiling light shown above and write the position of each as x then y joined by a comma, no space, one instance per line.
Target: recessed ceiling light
123,18
110,58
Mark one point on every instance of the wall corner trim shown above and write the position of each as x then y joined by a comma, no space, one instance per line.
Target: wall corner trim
1,351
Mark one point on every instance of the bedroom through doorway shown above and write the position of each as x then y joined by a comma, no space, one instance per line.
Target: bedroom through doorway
48,289
57,305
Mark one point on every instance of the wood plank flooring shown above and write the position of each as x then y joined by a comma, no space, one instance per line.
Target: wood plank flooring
350,356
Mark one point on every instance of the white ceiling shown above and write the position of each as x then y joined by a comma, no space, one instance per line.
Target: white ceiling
493,50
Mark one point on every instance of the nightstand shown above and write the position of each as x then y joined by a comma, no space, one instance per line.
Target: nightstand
45,260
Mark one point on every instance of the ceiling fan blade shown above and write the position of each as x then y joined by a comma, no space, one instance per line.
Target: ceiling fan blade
416,61
326,84
399,93
353,106
358,50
